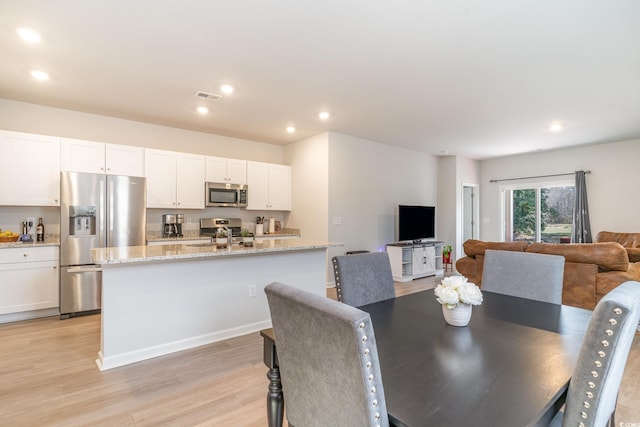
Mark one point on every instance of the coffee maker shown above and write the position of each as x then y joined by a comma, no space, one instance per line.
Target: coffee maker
172,225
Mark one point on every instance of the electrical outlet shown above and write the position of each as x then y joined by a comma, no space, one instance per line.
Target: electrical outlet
252,290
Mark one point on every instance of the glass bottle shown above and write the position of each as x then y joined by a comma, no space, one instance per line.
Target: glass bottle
40,231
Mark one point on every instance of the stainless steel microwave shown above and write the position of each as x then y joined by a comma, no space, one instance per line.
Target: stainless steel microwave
226,195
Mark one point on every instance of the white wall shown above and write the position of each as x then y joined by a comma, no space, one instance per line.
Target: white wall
367,182
612,187
448,199
32,118
310,186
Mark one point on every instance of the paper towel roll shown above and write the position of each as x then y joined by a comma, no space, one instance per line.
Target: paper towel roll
272,225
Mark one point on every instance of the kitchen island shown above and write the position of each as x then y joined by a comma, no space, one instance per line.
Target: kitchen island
158,300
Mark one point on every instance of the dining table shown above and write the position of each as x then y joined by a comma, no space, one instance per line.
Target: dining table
509,367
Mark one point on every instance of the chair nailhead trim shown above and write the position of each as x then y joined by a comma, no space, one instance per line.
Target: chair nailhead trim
366,351
598,363
613,322
361,325
586,405
364,338
374,403
583,415
602,354
617,310
609,332
591,384
370,377
368,365
590,395
594,374
604,343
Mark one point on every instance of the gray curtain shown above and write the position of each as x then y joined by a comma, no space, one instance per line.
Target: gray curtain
581,225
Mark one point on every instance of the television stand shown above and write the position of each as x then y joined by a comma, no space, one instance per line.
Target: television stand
415,260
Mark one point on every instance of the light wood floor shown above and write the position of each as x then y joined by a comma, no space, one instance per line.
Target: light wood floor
48,377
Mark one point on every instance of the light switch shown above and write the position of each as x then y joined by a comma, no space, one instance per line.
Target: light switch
337,220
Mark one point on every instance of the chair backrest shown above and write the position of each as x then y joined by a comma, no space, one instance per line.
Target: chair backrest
596,379
363,278
523,274
328,360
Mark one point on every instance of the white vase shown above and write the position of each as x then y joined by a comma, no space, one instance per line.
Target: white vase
457,316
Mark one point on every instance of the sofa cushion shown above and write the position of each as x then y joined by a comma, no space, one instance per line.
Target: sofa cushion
609,256
607,281
579,285
477,247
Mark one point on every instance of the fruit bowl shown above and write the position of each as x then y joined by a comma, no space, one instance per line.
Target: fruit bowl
5,239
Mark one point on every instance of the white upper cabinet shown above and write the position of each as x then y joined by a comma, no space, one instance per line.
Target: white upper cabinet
30,172
124,160
174,180
269,186
99,157
220,169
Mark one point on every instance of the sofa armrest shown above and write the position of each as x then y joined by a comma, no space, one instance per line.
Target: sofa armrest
468,267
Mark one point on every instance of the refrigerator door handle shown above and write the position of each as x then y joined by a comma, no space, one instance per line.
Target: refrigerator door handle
84,270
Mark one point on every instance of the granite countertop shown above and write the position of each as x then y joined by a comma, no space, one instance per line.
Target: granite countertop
48,241
169,252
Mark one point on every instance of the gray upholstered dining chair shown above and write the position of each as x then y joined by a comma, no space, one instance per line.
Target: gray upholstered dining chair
363,278
328,360
523,274
593,390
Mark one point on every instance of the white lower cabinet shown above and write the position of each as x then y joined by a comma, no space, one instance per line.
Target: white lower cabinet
28,283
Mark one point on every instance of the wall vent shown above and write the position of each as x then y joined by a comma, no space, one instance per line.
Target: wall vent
208,96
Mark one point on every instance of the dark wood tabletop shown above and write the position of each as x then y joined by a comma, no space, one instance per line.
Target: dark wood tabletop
510,367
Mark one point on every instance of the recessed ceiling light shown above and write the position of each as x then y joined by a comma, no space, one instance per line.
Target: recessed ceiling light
39,75
291,129
202,110
227,89
29,35
555,127
324,115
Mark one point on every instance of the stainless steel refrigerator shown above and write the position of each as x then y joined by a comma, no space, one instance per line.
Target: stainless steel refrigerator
96,211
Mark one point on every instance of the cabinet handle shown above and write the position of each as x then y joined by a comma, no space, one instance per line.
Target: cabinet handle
25,255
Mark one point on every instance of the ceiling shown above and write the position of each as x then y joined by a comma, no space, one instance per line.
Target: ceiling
478,79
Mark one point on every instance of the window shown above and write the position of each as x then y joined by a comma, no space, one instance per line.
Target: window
540,212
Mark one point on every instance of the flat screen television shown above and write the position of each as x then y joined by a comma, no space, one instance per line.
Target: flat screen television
416,222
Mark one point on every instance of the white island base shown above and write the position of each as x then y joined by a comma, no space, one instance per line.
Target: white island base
154,308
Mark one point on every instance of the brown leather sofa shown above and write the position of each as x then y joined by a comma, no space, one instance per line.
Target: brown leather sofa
630,241
591,270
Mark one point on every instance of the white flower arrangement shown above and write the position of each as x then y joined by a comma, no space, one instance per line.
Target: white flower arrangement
454,290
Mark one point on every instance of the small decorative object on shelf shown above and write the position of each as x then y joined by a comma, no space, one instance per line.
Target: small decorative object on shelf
446,254
221,238
457,296
247,238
